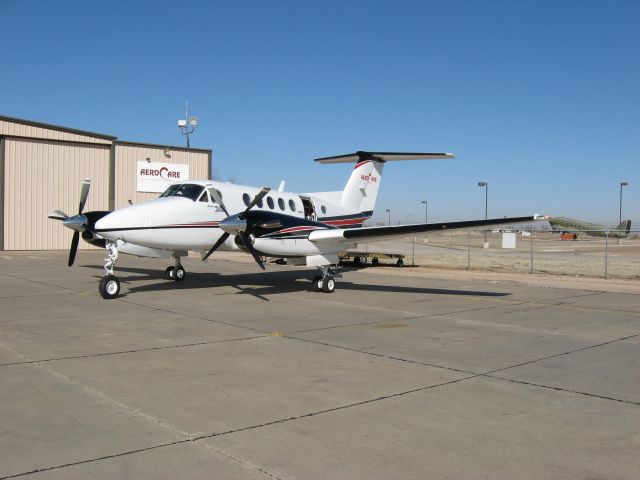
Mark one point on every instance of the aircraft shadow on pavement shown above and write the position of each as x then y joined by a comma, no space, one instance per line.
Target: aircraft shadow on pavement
260,284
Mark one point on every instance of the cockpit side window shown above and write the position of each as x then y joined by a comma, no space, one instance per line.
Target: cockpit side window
169,191
204,198
184,190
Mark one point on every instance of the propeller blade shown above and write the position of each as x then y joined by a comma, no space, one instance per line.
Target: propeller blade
257,198
218,198
220,241
247,243
57,215
74,247
84,193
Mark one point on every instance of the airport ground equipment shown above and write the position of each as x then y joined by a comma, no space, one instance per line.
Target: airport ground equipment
360,257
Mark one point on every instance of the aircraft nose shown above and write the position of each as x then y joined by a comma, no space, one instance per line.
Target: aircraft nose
107,222
233,225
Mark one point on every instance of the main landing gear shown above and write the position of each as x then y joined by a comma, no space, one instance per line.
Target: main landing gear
325,282
176,272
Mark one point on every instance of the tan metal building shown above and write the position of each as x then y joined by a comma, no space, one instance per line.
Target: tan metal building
42,167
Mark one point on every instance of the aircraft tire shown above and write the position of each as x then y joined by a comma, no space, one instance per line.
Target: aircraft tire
328,284
179,273
109,287
316,283
168,273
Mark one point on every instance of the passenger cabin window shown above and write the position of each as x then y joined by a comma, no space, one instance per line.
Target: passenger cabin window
246,199
184,190
270,202
292,205
260,204
281,204
324,209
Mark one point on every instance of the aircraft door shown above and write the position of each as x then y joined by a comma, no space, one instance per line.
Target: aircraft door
309,209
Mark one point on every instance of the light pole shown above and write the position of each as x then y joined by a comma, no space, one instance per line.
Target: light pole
622,184
486,204
389,212
426,211
187,125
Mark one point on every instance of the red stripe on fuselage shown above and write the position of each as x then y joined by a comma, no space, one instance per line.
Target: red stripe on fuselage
348,221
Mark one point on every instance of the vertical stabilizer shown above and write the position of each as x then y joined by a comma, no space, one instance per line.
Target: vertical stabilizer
624,228
361,189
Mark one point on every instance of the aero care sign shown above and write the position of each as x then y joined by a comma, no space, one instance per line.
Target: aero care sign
156,177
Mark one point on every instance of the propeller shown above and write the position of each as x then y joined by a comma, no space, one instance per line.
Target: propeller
237,225
78,222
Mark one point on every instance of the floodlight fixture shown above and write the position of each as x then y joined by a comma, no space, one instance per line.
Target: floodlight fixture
193,121
182,123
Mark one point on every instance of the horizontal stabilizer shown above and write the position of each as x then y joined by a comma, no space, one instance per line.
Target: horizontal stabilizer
384,157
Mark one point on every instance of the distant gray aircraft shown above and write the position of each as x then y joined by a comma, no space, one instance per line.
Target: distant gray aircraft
563,224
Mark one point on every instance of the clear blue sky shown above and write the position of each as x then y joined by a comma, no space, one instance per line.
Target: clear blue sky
539,98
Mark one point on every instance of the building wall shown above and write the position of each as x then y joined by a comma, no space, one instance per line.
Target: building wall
41,175
42,167
128,155
15,129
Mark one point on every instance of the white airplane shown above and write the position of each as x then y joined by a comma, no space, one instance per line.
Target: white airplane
308,229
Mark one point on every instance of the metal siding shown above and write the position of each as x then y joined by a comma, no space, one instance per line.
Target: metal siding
41,175
127,157
21,130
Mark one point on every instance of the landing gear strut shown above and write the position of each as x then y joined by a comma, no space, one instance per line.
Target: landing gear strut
325,282
110,285
176,272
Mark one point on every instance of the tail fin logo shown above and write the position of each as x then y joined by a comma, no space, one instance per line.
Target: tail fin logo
369,178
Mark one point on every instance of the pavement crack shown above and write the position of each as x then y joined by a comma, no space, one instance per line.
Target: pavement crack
588,347
124,352
195,317
560,389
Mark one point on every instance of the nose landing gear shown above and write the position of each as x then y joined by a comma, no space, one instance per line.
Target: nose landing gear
109,286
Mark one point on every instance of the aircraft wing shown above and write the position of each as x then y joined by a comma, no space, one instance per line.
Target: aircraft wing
365,234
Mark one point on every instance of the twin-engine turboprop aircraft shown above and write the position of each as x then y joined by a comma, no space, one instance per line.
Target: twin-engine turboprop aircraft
309,229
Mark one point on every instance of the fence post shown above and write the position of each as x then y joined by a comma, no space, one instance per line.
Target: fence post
469,251
531,237
606,253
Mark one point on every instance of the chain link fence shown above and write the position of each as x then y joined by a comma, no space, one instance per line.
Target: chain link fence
521,250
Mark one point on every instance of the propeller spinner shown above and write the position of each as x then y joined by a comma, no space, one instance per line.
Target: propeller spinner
237,225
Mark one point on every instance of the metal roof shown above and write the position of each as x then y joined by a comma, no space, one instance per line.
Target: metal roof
57,127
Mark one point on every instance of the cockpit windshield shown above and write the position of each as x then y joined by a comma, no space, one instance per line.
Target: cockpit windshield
186,190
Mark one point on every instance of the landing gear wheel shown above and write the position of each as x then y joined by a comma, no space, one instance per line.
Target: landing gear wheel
375,261
400,263
168,273
316,283
179,273
109,287
328,284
